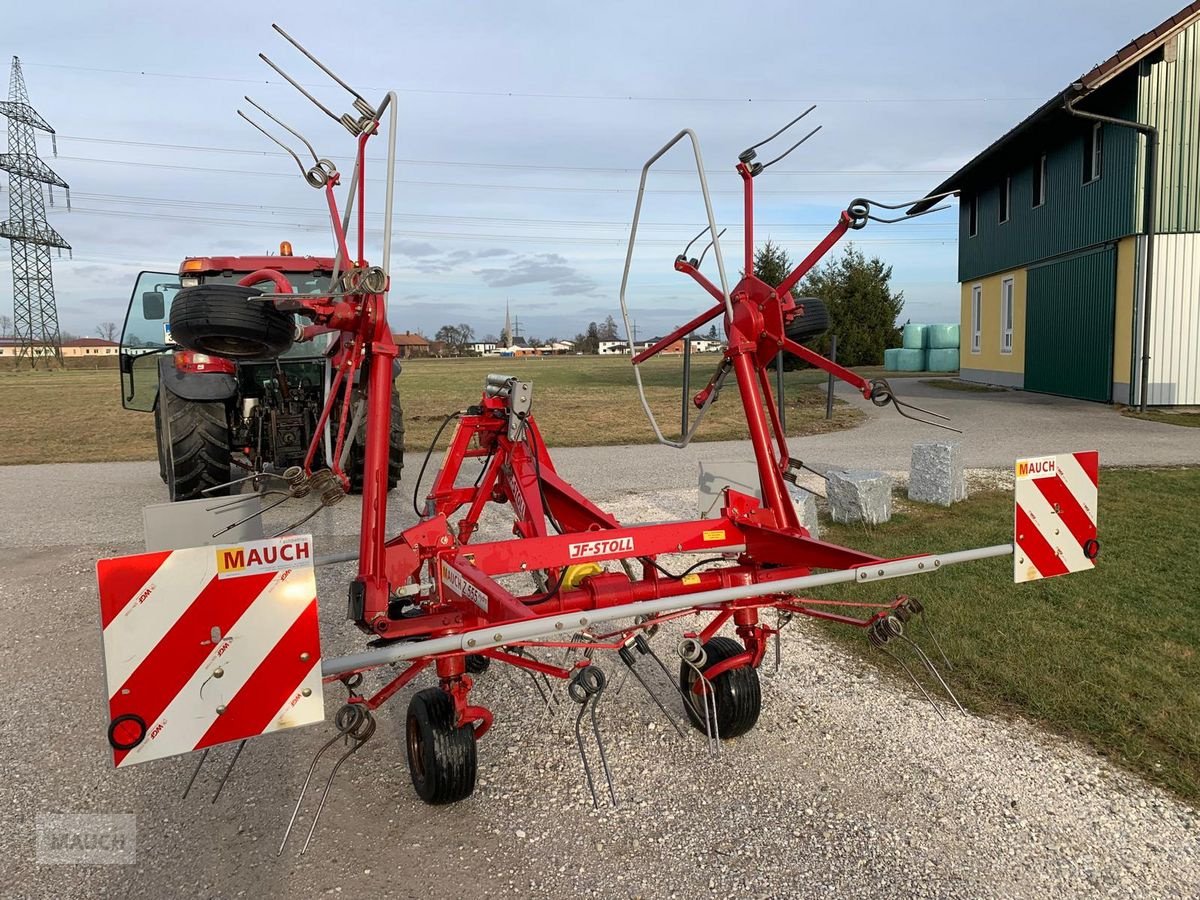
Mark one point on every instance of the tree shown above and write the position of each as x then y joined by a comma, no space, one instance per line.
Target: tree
608,331
772,264
456,337
6,326
712,333
862,307
107,330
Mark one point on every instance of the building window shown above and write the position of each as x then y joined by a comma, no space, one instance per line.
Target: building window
1006,315
972,216
1093,151
1005,196
1039,181
976,317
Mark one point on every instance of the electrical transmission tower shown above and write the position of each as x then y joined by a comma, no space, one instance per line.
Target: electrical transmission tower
35,315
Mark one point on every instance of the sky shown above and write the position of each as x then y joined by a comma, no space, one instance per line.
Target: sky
523,128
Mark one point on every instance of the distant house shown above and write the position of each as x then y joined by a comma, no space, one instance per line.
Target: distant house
612,348
483,348
411,345
1060,293
12,346
90,347
699,345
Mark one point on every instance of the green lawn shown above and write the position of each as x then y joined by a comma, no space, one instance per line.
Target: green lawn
1111,657
75,415
1186,418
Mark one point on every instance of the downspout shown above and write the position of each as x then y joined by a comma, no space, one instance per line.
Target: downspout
1148,206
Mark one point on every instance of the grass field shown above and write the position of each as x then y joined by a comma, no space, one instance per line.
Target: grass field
75,415
1188,418
1111,657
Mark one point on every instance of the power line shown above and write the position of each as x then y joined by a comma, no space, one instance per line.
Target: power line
424,234
487,186
553,96
535,167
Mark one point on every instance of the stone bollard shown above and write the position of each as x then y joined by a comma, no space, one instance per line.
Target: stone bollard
937,473
806,510
859,496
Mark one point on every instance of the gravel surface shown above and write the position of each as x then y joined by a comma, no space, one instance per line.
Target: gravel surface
851,785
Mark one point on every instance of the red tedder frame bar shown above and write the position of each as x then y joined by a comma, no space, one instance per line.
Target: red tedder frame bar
434,581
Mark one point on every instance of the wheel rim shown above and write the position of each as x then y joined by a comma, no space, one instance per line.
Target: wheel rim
416,759
694,701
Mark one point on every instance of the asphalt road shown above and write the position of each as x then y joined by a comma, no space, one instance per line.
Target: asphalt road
850,786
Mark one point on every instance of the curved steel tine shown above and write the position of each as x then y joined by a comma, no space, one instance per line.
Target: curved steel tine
304,789
696,238
286,127
905,205
631,666
710,719
907,216
242,498
255,515
780,131
708,247
357,741
587,768
933,670
229,768
292,81
255,476
767,165
324,68
195,772
284,531
936,642
272,138
920,687
612,791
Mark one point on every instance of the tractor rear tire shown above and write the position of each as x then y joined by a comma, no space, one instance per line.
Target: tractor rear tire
356,461
195,440
813,322
230,321
737,691
441,756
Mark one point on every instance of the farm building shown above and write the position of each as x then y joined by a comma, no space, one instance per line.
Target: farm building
1079,233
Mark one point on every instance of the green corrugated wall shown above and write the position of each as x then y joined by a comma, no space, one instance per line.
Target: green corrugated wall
1075,215
1169,98
1069,309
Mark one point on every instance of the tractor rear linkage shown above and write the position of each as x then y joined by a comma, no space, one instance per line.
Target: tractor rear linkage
430,595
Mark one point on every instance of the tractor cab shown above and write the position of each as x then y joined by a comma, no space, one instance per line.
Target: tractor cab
256,410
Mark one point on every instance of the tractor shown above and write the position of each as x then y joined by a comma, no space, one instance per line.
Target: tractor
254,401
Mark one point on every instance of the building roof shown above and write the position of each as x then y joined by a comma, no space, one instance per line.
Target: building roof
408,339
90,342
1125,58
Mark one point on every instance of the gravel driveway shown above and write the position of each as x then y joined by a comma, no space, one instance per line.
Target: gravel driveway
851,786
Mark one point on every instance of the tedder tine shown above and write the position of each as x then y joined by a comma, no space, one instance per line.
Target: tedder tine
587,688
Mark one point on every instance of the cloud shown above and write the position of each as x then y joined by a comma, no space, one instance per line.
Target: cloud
540,268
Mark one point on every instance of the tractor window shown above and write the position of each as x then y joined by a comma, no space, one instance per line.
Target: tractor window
146,335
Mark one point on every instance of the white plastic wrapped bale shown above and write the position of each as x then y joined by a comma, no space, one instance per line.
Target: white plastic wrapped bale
915,337
859,496
806,510
891,359
937,473
943,337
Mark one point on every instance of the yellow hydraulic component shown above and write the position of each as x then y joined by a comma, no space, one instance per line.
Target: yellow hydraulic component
577,573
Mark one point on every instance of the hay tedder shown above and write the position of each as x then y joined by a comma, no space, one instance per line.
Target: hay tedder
219,643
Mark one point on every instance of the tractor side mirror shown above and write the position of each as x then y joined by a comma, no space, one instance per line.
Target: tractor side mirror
154,307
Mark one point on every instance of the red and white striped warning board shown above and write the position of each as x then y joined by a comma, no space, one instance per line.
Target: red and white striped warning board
208,645
1055,517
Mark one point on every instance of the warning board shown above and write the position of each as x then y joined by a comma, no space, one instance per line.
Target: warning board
1055,515
208,645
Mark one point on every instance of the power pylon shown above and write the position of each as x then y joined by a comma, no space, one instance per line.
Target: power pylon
35,315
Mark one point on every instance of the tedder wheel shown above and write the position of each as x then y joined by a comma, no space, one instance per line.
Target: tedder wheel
356,461
737,692
228,320
441,757
195,441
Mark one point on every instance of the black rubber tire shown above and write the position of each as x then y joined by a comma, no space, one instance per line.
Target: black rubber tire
737,691
159,428
356,461
441,757
195,441
226,320
477,663
813,323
